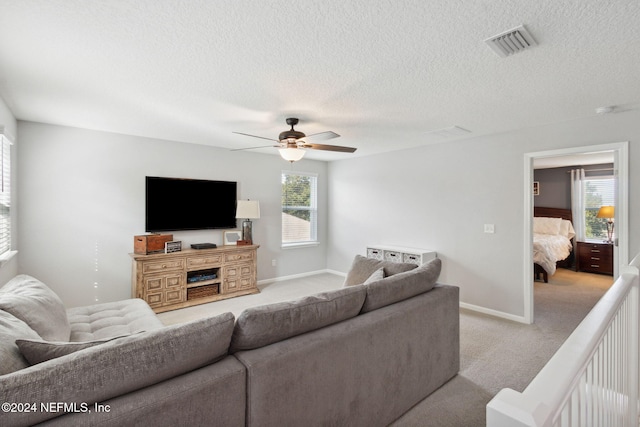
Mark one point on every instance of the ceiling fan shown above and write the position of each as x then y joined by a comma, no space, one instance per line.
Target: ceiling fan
292,143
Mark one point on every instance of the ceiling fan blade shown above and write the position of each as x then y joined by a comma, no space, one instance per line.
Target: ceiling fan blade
251,148
329,148
322,136
255,136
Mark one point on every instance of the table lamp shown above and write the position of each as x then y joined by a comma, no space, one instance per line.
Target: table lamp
247,209
609,213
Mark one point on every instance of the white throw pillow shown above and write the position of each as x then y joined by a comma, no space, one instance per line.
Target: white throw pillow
566,229
544,225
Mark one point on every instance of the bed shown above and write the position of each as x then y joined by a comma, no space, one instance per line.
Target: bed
552,240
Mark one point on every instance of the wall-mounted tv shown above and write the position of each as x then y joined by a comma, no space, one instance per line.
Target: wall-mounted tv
174,204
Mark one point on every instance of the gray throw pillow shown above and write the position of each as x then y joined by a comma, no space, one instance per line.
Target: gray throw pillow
263,325
402,286
34,303
362,268
38,351
11,329
377,275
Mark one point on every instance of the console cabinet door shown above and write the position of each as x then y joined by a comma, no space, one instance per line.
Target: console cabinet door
238,277
165,289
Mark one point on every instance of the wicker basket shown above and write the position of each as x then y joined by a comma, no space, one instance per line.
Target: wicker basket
203,291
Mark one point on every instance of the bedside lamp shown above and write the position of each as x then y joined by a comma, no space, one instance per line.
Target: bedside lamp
609,213
248,209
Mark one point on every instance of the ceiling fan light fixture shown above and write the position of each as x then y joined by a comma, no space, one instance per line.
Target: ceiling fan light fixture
291,154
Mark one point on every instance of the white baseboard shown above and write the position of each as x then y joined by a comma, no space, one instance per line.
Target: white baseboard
464,305
495,313
337,273
298,276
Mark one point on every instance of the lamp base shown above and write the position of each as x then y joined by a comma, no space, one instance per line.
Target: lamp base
246,231
609,232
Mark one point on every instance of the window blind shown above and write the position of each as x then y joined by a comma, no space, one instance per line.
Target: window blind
299,207
598,191
5,195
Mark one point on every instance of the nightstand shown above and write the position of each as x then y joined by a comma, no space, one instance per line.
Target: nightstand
595,257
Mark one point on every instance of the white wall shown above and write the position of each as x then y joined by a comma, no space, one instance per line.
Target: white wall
9,268
439,196
82,201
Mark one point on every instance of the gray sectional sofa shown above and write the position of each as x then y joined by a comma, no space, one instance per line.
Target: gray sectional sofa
361,355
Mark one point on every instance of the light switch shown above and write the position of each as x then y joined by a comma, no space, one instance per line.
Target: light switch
489,228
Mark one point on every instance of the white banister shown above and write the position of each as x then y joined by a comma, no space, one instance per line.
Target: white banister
594,378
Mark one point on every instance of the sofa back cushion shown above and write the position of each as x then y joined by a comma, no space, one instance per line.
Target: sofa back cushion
267,324
34,303
362,268
401,286
12,329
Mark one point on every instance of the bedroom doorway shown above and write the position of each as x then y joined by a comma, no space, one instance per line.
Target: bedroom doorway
570,157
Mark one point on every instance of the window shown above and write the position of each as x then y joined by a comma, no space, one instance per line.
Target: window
299,208
5,195
598,191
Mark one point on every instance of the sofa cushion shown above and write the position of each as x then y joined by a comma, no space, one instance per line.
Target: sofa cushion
362,268
11,329
267,324
402,286
38,351
121,366
34,303
111,319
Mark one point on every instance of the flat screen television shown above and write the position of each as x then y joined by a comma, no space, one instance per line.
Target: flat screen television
174,204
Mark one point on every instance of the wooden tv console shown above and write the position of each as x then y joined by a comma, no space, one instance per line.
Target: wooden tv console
190,277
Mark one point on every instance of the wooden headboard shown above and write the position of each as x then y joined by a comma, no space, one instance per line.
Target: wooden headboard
553,212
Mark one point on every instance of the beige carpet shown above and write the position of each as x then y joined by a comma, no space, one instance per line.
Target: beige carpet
495,353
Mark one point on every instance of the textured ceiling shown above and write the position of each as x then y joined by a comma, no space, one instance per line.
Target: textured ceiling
383,74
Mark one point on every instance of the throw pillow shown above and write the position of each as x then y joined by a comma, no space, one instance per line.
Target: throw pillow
544,225
38,351
377,275
34,303
362,268
11,329
266,324
402,286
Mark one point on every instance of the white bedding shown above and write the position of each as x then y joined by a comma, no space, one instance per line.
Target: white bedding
548,249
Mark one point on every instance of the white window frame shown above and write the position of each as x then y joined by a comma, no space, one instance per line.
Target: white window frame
6,219
610,202
313,210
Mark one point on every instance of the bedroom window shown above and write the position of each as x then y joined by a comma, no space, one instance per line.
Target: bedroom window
5,196
598,191
299,208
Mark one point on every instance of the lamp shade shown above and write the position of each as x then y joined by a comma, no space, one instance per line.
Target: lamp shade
249,209
606,212
292,154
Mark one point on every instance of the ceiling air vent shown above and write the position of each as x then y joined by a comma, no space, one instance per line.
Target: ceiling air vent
511,41
446,133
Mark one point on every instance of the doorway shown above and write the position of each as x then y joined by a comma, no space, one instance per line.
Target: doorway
619,151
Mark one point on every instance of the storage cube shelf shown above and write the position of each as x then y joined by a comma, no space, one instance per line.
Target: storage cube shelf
400,254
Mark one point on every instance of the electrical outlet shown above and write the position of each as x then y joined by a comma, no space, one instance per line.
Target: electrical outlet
489,228
274,263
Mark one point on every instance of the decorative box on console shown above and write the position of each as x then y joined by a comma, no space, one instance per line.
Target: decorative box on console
150,243
400,254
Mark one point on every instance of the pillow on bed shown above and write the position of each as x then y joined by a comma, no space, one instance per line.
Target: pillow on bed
566,229
544,225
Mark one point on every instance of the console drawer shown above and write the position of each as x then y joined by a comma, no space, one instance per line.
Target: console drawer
158,266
